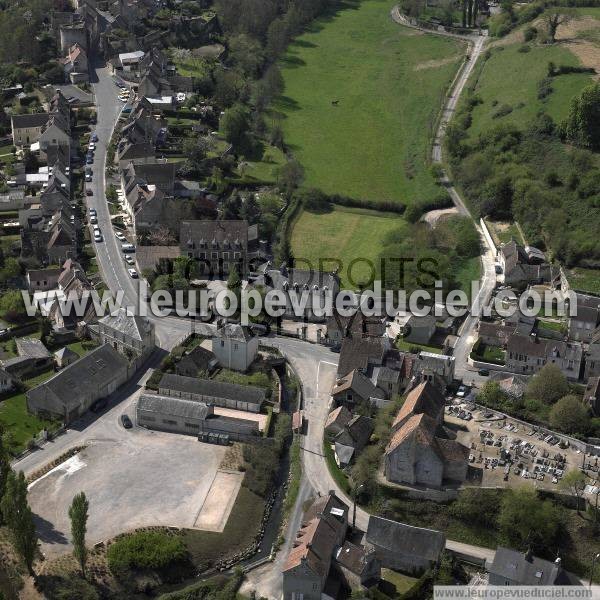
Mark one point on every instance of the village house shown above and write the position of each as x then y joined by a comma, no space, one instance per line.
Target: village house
26,129
42,280
130,61
322,532
523,266
226,395
357,566
314,286
337,419
196,362
32,358
356,389
416,329
415,454
585,322
75,65
72,391
592,358
234,346
357,325
131,335
64,357
218,246
430,366
402,547
527,355
511,567
353,437
140,153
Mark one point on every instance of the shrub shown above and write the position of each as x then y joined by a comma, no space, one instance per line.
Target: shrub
150,550
544,88
525,48
504,110
530,33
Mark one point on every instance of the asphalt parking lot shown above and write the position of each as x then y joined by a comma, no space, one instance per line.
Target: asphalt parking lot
138,478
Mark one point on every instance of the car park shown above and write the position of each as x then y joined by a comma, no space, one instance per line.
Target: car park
132,273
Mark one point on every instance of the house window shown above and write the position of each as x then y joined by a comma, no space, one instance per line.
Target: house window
225,255
237,255
214,255
222,343
191,425
235,346
168,422
148,419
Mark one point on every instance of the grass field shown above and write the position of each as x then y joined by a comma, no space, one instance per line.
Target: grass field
345,234
510,78
17,422
388,83
585,280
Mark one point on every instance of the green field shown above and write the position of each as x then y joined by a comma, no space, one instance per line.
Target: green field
585,280
345,234
388,82
510,78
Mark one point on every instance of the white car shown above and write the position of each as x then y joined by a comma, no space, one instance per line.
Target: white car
97,236
128,259
132,273
93,211
88,177
93,219
91,146
462,391
120,236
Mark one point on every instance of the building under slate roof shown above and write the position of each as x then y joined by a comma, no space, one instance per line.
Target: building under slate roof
210,388
133,326
526,569
234,331
174,407
406,539
31,348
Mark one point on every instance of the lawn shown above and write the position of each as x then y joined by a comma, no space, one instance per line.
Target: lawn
394,584
467,272
585,280
344,234
207,547
264,169
510,78
20,425
360,103
408,346
256,378
191,66
502,232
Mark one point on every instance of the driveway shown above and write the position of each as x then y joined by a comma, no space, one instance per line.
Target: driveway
133,479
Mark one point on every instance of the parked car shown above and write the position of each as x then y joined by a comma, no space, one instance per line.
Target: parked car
132,273
94,220
93,212
97,237
88,177
126,422
120,236
94,137
128,259
484,372
89,160
128,247
462,391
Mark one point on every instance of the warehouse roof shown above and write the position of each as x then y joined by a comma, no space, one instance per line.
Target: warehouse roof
173,407
216,389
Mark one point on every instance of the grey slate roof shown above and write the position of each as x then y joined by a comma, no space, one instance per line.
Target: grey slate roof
405,539
133,326
83,376
234,331
30,120
174,407
208,387
527,570
31,348
66,352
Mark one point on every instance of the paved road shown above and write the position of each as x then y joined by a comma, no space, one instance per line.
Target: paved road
110,258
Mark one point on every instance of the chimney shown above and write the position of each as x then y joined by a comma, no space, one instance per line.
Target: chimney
529,555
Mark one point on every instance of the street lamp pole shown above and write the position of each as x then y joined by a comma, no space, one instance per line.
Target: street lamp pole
594,559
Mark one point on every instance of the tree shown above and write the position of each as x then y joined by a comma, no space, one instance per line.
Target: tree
78,513
526,521
554,18
19,518
548,384
234,125
289,176
162,236
234,283
582,126
574,482
12,305
5,468
570,415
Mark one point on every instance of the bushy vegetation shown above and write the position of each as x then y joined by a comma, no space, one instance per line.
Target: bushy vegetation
146,551
218,588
